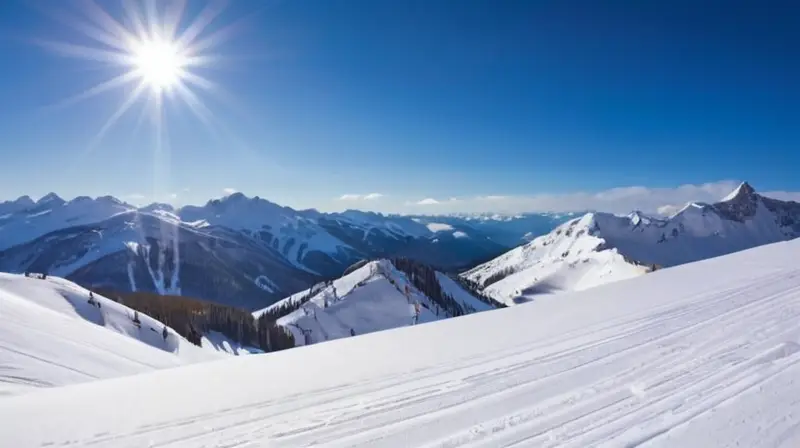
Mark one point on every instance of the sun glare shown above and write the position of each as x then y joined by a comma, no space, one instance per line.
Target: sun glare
157,55
158,63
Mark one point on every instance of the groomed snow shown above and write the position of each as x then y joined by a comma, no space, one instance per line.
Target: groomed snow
51,336
701,355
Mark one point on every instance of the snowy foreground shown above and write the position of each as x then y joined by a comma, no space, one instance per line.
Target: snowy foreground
701,355
50,335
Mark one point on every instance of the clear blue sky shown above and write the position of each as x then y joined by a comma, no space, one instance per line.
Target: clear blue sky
424,98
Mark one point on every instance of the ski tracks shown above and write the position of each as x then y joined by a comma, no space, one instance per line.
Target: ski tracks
623,384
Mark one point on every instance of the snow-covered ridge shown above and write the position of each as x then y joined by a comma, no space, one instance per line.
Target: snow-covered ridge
702,355
289,233
377,296
601,247
53,333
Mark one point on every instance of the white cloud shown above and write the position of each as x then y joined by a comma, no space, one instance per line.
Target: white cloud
229,191
614,200
359,197
668,210
784,195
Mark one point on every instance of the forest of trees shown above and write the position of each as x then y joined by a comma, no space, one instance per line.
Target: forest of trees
423,277
191,318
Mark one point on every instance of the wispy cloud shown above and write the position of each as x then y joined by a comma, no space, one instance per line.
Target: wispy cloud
229,191
135,197
614,200
360,197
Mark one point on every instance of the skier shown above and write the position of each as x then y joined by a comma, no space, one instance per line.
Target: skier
165,333
416,312
352,332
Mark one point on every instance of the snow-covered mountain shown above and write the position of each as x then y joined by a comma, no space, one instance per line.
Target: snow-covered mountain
51,334
703,355
374,296
237,250
600,247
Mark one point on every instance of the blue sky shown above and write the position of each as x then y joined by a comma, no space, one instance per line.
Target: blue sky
416,99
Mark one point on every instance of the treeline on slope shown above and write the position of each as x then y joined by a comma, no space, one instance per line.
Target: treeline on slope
423,277
475,289
275,312
497,276
191,318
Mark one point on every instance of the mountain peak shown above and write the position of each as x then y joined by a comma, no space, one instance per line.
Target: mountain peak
743,191
50,197
24,201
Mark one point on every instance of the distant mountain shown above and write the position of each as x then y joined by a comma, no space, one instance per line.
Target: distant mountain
372,297
508,230
600,248
241,251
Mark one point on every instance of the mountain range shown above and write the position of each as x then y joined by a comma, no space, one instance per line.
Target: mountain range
237,250
599,248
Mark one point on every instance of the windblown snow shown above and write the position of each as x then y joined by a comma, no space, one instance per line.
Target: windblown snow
704,355
50,335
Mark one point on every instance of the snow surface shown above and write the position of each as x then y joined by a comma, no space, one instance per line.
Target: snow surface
599,248
51,336
701,355
369,299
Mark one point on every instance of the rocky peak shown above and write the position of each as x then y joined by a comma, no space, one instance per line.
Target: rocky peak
740,204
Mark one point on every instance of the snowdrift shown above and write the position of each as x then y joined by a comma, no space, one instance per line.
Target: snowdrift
50,335
700,355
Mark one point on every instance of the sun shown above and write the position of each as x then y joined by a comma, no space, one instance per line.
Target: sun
152,52
158,63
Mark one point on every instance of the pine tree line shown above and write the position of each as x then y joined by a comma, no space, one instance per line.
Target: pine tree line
423,277
286,308
475,289
497,276
192,318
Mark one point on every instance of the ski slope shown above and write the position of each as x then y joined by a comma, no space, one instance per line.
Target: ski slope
51,336
700,355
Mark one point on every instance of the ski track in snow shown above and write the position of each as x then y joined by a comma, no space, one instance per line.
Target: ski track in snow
645,376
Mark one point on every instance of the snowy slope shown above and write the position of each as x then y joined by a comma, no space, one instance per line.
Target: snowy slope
600,248
371,298
702,355
51,336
